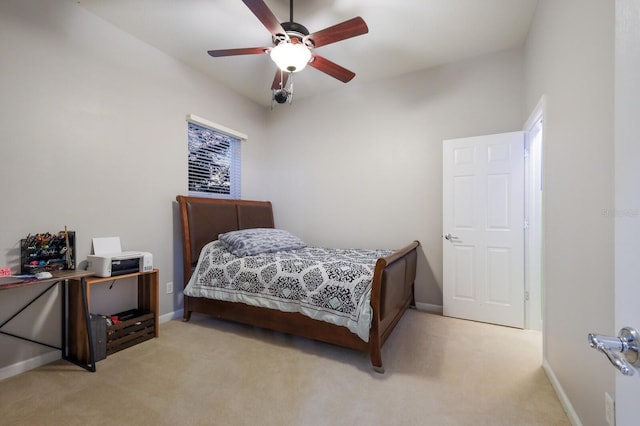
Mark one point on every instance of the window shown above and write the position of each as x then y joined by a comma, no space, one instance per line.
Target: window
214,159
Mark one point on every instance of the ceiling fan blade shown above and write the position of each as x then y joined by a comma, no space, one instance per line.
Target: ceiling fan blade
276,80
347,29
331,68
264,14
233,52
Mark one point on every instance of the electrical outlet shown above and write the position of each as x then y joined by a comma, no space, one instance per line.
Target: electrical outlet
169,287
609,410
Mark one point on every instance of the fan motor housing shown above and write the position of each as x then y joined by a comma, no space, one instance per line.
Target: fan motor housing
294,27
294,30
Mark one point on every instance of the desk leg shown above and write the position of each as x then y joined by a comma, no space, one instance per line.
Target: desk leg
148,295
92,355
33,300
64,344
79,349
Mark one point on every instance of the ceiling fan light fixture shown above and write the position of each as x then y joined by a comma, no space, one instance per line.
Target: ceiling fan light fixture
291,57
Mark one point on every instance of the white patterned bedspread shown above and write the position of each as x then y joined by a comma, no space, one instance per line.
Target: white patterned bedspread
331,285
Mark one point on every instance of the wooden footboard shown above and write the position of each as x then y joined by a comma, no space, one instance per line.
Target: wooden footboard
391,295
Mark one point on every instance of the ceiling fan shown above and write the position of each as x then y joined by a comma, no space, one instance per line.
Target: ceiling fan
293,47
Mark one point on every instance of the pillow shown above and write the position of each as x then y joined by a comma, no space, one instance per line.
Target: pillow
249,242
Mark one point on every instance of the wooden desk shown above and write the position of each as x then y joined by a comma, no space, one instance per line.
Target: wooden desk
59,278
80,337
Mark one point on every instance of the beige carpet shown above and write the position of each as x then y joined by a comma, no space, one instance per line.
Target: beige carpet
439,371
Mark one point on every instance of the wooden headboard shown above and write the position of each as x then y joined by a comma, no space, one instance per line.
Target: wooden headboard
203,219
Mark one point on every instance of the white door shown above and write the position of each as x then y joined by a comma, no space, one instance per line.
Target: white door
627,195
483,228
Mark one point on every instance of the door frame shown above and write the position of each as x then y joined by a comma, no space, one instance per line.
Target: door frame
534,247
627,200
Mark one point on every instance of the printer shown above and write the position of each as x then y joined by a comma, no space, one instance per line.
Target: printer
126,262
109,260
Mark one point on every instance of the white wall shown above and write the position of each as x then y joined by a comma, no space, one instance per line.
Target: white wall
362,166
569,57
93,136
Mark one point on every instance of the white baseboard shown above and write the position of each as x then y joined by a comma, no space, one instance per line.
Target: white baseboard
29,364
170,316
428,307
562,396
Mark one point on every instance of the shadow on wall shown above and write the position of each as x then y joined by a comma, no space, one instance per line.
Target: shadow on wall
13,258
178,275
427,290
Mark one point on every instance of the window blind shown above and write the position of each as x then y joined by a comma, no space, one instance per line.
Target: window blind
214,162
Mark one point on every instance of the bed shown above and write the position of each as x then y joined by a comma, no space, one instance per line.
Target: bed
390,293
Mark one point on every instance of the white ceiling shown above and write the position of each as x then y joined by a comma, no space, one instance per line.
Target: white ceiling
404,35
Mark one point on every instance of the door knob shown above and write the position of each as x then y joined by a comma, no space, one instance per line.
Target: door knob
622,351
450,237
